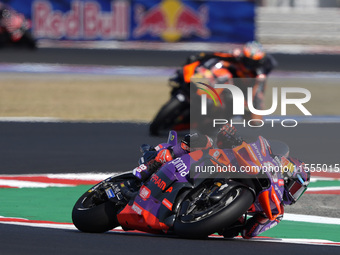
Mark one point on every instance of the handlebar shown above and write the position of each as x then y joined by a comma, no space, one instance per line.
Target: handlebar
144,148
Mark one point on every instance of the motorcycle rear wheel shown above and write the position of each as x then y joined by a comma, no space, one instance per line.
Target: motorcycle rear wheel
195,221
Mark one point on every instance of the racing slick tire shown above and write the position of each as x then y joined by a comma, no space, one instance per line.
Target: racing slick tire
169,115
200,224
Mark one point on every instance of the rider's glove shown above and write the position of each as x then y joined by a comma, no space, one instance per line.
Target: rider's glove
152,160
145,170
227,138
164,156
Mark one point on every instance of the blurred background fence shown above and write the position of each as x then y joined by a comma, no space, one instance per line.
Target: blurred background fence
298,22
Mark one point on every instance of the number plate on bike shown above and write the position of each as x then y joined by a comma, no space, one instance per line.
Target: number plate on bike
109,192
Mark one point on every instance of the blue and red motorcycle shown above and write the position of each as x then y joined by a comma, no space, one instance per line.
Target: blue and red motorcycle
182,197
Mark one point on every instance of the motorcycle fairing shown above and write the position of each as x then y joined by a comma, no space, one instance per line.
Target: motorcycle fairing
154,207
189,70
136,217
154,204
246,157
268,200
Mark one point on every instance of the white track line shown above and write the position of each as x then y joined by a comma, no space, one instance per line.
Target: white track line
118,229
311,219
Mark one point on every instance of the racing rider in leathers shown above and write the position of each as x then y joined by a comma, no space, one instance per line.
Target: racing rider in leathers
250,62
227,138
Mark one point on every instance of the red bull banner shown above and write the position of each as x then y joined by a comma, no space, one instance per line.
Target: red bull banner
175,20
145,20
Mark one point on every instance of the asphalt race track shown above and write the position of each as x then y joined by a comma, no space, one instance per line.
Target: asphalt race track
286,62
29,241
113,147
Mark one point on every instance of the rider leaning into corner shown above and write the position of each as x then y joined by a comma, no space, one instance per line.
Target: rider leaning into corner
251,61
295,182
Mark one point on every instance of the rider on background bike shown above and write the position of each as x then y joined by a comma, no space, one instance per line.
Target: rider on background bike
295,181
14,28
251,62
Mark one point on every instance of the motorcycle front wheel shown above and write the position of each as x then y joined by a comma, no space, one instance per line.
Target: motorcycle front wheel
173,115
94,212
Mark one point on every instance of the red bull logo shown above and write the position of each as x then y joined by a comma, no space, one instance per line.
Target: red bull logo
171,20
85,20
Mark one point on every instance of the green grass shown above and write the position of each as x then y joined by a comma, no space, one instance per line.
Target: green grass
47,204
56,204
